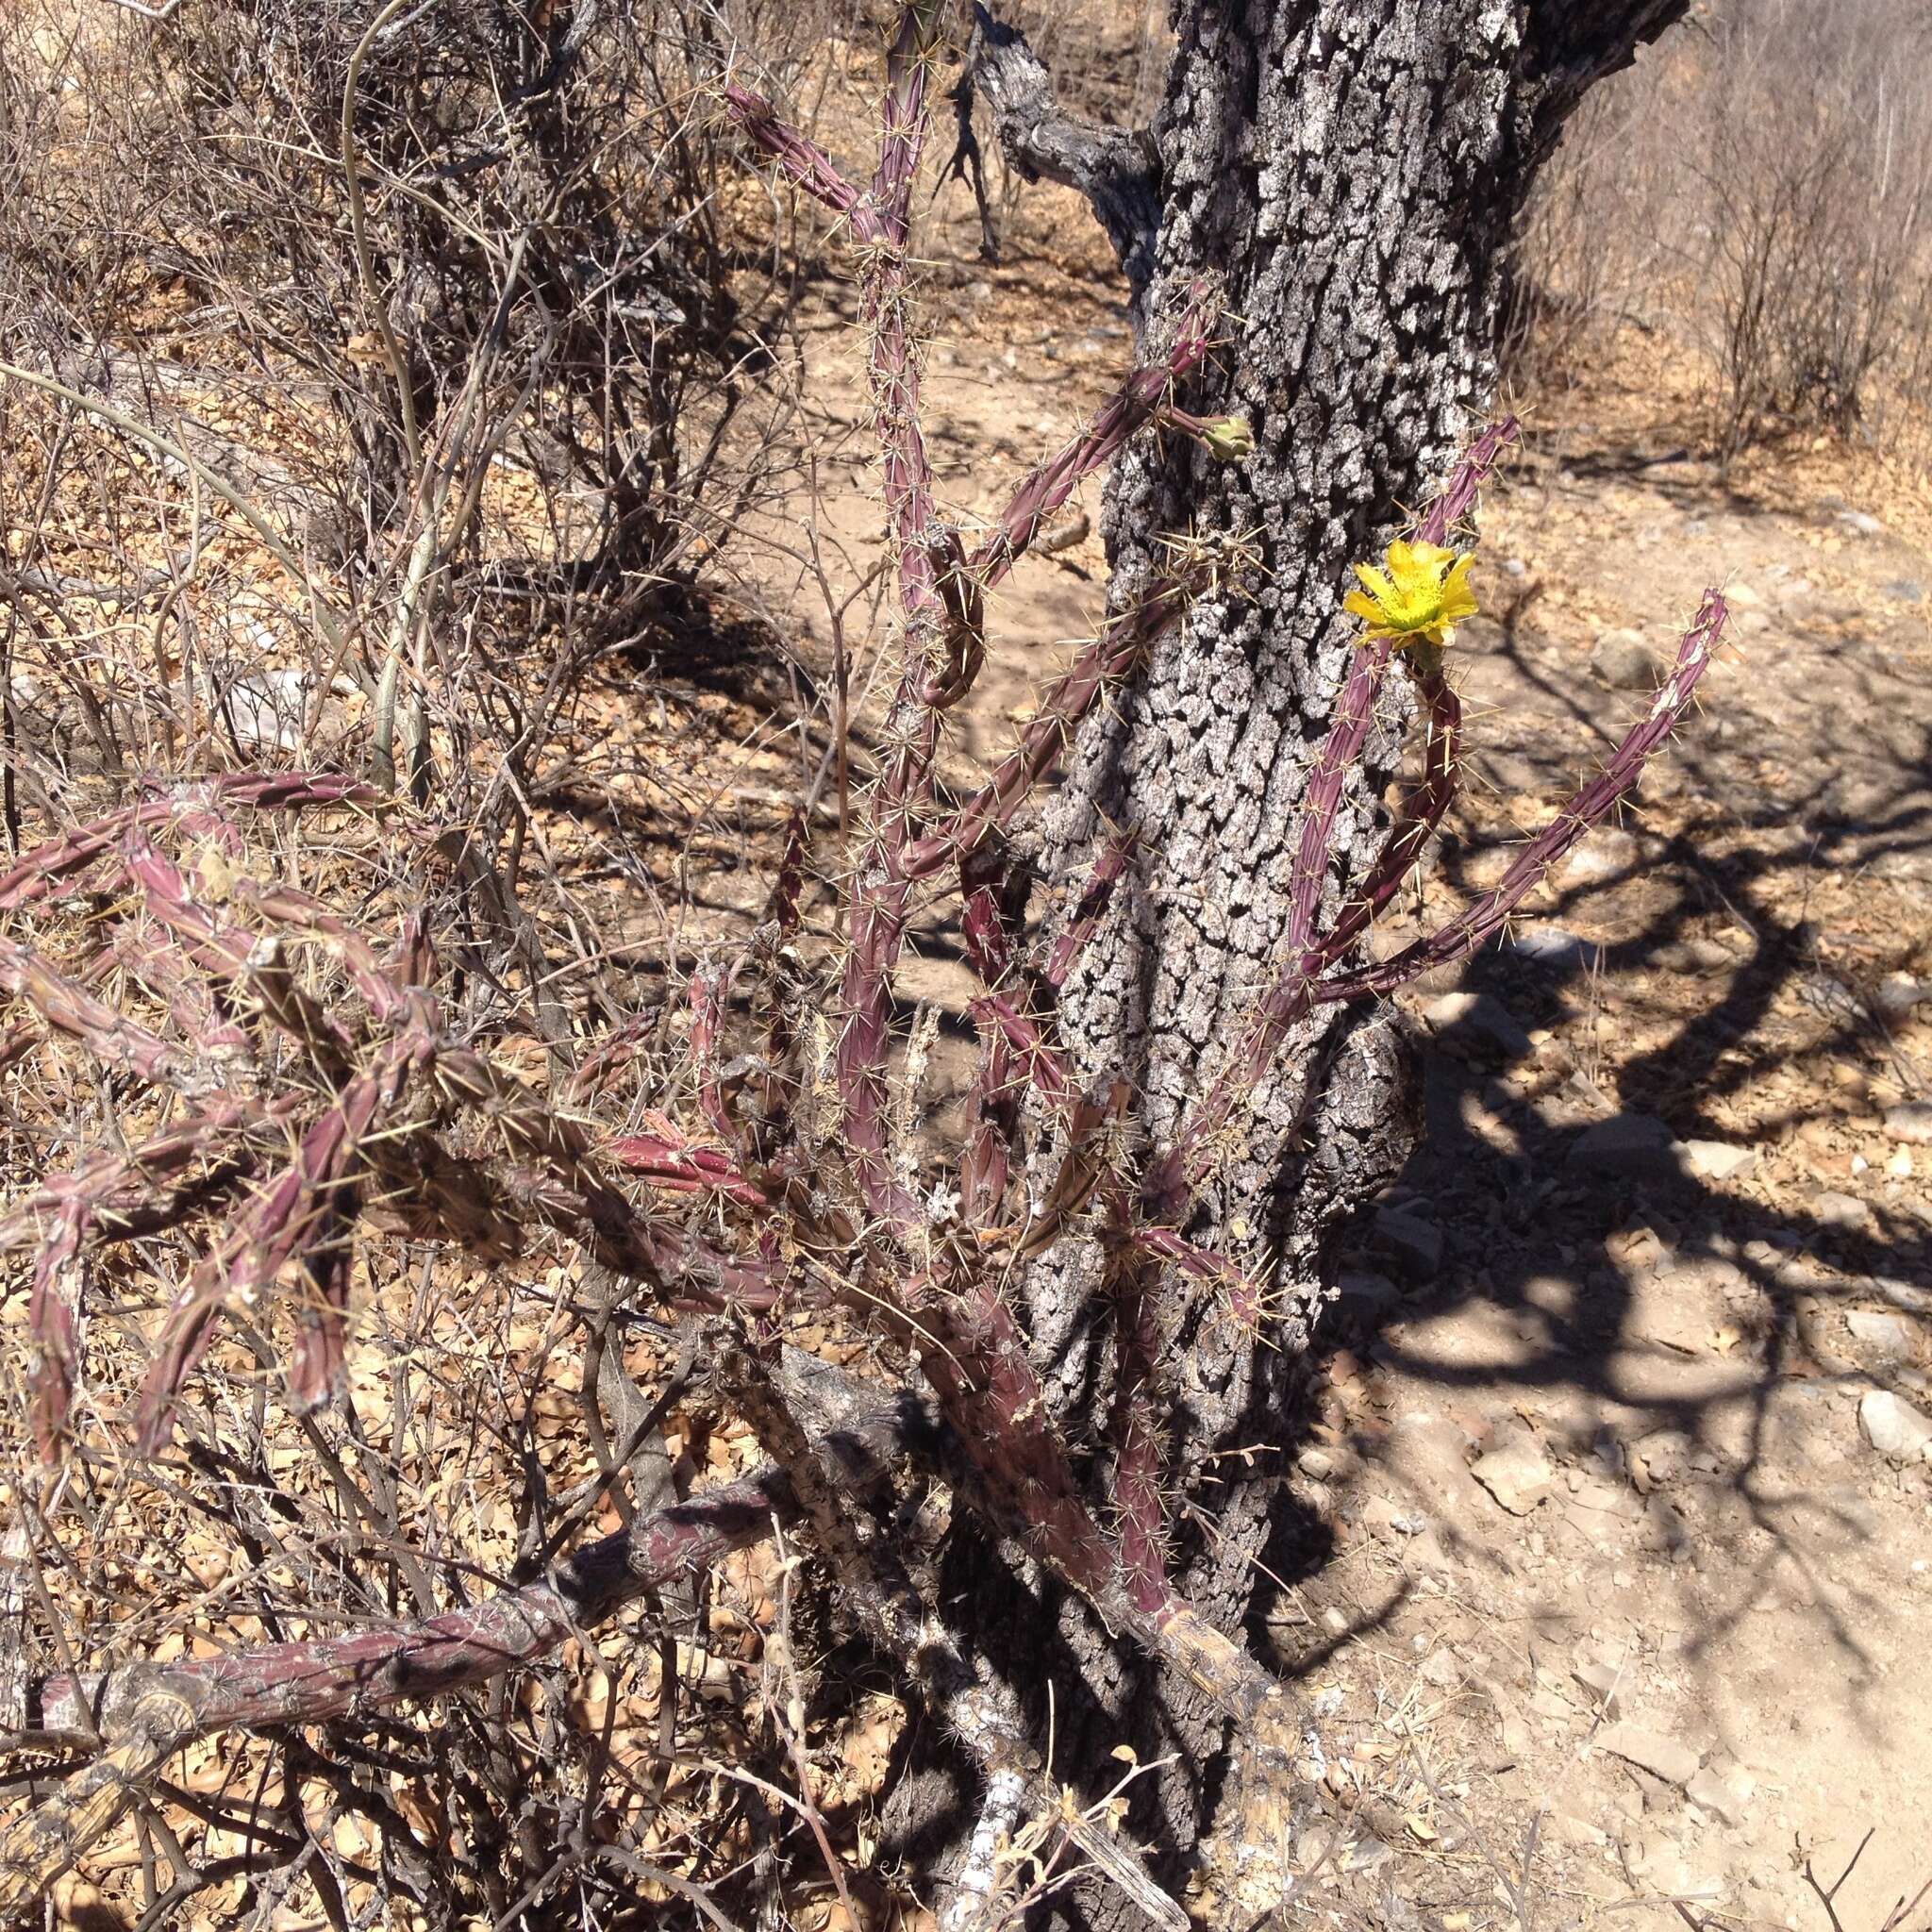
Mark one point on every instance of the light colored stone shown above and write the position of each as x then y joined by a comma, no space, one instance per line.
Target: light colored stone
1911,1124
1887,1337
1718,1160
1651,1751
1479,1019
1629,1146
1606,852
1833,1209
1550,945
1898,1431
1516,1471
1364,1298
1411,1240
1709,1792
1603,1682
1625,660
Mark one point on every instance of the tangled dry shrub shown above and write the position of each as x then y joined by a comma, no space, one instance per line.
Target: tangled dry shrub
1763,191
276,1073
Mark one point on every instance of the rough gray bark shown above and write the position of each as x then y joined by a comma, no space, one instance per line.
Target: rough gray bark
1350,169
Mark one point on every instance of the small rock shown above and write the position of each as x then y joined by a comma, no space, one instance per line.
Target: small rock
1387,1521
1364,1298
267,708
1651,1750
1708,954
1906,590
1717,1161
1899,1432
1709,1792
1659,1459
1603,1682
1550,945
1316,1462
1861,522
1440,1669
1604,853
1411,1240
1911,1124
1625,660
1481,1019
1630,1146
1333,1622
1516,1471
1887,1337
1833,1209
1897,993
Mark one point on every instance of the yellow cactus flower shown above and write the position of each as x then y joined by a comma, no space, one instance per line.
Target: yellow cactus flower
1418,597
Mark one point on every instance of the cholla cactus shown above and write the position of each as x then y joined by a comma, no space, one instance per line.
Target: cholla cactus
743,1199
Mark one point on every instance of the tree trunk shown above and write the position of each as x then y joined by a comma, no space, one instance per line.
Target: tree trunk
1351,172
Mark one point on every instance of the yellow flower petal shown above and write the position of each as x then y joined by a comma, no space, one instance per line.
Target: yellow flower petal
1417,596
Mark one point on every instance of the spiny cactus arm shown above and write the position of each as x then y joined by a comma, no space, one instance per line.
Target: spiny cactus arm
36,874
118,1042
1416,820
1243,1296
382,986
706,993
570,1190
802,161
1109,868
1591,807
232,953
291,1225
121,1190
987,926
1136,403
906,119
1171,1179
669,1160
1018,1479
141,1715
1062,707
53,1317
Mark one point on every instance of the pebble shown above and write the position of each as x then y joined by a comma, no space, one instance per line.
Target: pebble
1603,1682
1631,1146
1411,1240
1861,522
1833,1209
1479,1019
1887,1337
1516,1471
1899,1432
1604,853
1625,660
1911,1124
1897,993
1718,1160
1651,1751
1906,590
1709,1792
1550,945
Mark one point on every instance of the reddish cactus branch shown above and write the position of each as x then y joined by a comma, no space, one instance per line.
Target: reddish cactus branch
1593,806
1047,488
